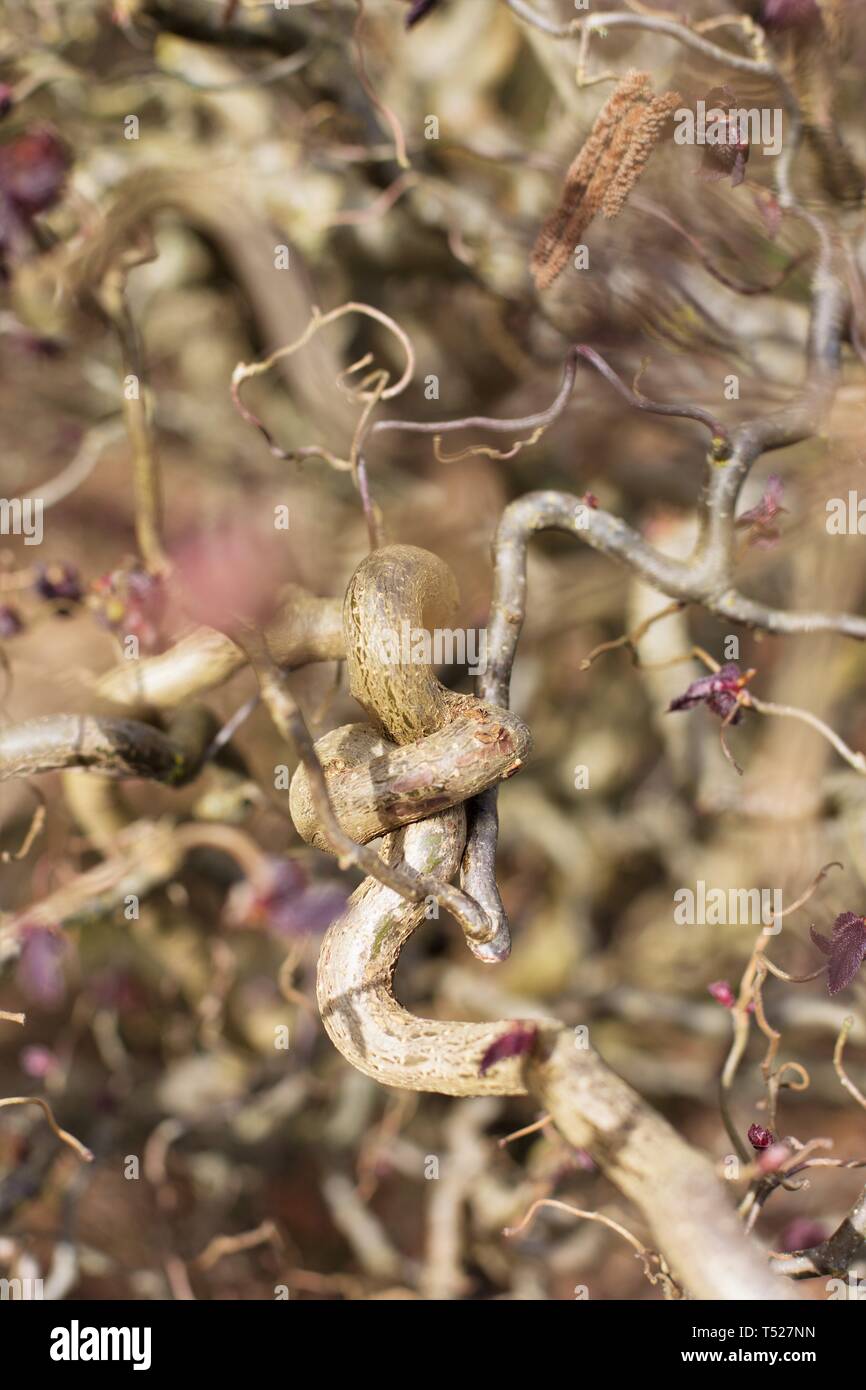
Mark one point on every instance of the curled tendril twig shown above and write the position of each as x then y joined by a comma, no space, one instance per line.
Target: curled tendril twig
654,1265
62,1134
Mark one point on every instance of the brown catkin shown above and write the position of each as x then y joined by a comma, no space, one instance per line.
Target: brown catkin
572,214
647,135
605,169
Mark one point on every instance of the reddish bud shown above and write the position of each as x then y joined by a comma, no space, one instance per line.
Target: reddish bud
722,993
759,1137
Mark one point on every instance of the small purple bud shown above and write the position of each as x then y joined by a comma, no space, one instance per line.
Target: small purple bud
759,1137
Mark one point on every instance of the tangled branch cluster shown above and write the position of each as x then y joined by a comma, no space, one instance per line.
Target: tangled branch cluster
409,795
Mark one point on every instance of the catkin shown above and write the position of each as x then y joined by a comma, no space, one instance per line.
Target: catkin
606,168
644,140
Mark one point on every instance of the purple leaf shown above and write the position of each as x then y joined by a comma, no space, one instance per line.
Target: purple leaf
722,702
821,941
718,690
845,950
703,688
519,1040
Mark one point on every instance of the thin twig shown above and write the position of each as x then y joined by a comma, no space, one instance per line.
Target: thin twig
220,1246
660,1274
631,639
654,24
855,760
534,1128
136,414
843,1076
34,829
392,120
62,1134
720,433
246,370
